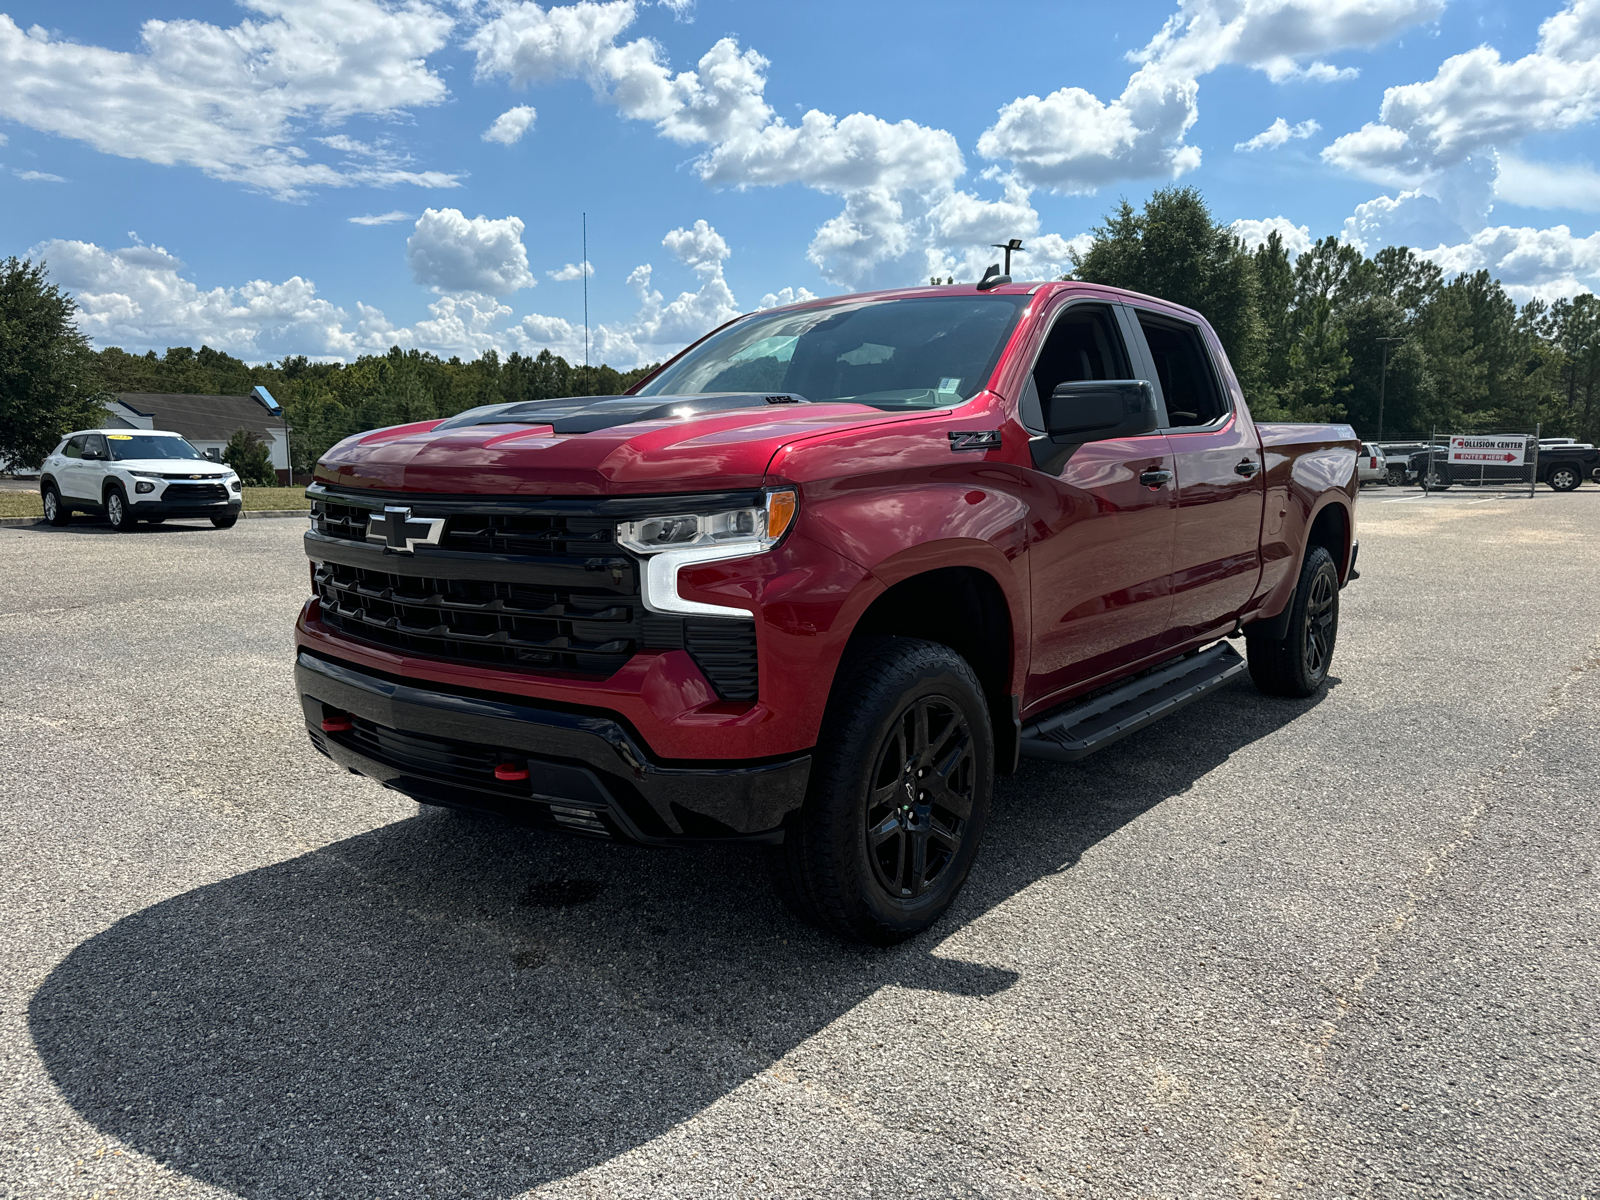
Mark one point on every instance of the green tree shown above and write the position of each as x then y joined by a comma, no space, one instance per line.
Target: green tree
246,453
1175,250
44,391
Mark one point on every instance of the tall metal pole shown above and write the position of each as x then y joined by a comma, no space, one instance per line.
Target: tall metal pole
585,270
1533,469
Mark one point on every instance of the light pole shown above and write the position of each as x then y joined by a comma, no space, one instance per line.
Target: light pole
1009,247
1383,379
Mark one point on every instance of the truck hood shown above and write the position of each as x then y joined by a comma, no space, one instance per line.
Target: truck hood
606,445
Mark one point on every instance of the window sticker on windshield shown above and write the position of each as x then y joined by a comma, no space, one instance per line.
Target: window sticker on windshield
120,437
949,385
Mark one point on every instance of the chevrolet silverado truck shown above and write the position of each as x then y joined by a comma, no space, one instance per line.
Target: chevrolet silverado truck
818,579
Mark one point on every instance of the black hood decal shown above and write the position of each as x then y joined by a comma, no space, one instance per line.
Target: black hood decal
585,414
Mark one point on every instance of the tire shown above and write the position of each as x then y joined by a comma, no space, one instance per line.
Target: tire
117,512
1297,664
1396,477
871,856
1564,477
225,522
1437,479
55,512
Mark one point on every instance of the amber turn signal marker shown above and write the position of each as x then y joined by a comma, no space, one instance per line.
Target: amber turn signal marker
780,512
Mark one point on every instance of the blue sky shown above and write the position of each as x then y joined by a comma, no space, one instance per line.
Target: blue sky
190,170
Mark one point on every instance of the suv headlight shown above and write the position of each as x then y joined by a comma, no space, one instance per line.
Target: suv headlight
670,543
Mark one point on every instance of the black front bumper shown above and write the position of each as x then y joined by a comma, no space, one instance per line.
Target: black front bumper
586,773
144,510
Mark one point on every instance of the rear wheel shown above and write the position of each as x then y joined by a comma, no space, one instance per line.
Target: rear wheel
899,794
117,510
1297,664
1564,477
55,512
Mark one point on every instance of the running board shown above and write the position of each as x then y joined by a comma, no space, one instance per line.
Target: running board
1067,734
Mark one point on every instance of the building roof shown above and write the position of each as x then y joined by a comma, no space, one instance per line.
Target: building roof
208,418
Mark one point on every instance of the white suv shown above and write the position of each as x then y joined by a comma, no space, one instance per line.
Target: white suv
134,475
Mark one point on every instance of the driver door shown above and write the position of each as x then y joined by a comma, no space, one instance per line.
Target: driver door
1102,526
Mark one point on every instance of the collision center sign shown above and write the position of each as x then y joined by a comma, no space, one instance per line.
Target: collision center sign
1500,450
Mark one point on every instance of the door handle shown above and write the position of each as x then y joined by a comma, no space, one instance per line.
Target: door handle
1247,467
1155,479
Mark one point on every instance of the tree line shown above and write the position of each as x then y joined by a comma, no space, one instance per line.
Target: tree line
1310,337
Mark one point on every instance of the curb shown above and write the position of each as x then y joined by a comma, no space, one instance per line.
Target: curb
287,512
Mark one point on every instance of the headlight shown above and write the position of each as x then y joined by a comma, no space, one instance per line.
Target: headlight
146,474
671,543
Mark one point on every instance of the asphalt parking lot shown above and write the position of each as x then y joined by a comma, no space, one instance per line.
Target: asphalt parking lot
1343,947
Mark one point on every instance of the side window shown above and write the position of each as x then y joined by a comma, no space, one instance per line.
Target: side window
1083,344
74,447
1184,368
96,444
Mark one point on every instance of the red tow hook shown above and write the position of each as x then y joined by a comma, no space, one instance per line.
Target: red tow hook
338,723
510,772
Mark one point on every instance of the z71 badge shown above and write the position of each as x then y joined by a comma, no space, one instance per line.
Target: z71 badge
983,439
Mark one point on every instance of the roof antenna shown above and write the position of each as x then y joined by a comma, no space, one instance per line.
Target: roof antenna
586,288
992,278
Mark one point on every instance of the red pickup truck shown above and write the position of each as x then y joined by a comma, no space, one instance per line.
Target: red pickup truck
820,577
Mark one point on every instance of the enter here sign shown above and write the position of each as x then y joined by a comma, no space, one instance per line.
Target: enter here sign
1501,450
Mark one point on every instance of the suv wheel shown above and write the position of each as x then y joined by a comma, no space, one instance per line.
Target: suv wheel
1297,664
225,522
1565,478
1438,481
117,510
899,795
54,511
1397,477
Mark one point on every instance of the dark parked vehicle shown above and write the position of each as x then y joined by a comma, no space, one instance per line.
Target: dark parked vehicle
1563,467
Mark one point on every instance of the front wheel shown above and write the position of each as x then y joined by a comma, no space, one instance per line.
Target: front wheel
899,794
1437,480
1565,478
1397,477
117,510
225,522
1297,664
55,512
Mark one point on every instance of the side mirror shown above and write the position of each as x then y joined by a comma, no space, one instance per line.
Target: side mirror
93,456
1096,410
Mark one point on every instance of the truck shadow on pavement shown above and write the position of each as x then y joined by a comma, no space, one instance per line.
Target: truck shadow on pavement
452,1004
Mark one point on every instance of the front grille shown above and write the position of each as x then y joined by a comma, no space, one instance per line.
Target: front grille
195,493
548,590
481,621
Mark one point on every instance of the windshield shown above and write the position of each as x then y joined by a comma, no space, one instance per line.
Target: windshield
149,445
927,352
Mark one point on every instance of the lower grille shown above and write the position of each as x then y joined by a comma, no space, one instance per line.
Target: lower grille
194,493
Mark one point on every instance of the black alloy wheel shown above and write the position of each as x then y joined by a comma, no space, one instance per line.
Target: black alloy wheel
1297,663
1397,477
1565,478
1320,617
117,510
899,794
55,512
921,797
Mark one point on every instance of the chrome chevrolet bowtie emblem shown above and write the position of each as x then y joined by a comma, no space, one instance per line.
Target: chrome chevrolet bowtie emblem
400,533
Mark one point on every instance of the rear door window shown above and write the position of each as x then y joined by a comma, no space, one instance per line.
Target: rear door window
1188,383
74,447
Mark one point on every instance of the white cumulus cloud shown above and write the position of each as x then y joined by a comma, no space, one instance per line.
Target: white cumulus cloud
1296,238
510,125
38,176
1548,185
1477,100
450,253
572,271
1278,133
1545,264
233,100
388,218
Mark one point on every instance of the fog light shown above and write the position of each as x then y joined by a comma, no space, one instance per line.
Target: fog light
235,485
144,486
